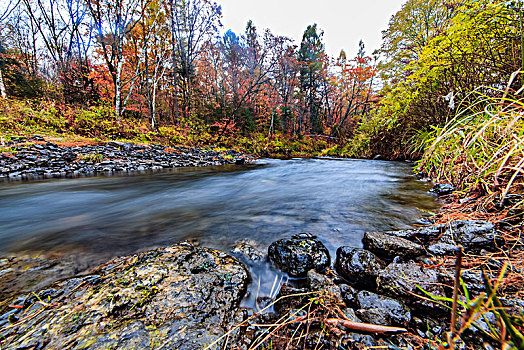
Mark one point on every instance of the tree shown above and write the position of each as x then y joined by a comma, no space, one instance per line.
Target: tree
310,58
409,31
479,47
114,20
193,21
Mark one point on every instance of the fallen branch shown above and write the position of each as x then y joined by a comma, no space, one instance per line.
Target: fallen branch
364,327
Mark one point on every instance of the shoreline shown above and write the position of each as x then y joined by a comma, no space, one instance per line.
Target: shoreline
36,159
377,285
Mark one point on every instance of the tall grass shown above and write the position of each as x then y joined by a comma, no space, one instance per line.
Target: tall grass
482,147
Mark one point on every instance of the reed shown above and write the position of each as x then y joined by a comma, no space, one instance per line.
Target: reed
482,147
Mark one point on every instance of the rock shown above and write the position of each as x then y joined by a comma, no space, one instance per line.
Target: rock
176,297
442,189
356,341
381,310
319,282
358,266
378,157
400,280
59,162
351,315
299,254
388,247
349,295
443,239
249,251
290,298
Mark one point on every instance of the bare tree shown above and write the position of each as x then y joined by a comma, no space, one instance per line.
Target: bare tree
114,20
192,22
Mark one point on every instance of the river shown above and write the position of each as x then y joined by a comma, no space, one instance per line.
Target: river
94,219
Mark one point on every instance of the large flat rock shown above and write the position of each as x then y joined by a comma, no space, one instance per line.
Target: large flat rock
179,297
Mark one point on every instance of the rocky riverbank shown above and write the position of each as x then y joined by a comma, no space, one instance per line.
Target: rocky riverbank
179,297
188,297
35,158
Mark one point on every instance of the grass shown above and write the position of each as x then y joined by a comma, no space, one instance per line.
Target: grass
481,149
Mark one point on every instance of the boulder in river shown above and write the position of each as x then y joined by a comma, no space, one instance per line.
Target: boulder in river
319,282
248,250
179,297
442,189
358,266
299,254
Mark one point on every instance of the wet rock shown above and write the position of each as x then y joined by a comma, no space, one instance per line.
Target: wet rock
381,310
427,327
442,189
179,297
349,295
351,315
388,247
249,250
356,341
400,281
378,157
443,239
299,254
290,298
320,282
404,341
358,266
47,160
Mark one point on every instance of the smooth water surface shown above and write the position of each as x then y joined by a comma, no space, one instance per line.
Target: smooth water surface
102,217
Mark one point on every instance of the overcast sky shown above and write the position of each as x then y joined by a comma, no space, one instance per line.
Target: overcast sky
344,22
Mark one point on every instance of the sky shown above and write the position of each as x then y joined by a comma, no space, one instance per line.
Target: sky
344,22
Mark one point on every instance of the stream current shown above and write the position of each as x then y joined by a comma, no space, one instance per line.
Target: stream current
95,219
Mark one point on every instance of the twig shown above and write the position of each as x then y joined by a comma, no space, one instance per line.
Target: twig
454,307
364,327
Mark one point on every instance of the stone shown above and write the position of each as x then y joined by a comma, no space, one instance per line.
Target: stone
400,281
442,189
388,247
319,282
349,295
382,310
249,250
299,254
358,266
443,239
59,162
178,297
356,341
289,298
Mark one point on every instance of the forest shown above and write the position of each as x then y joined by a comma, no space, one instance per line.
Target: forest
163,70
163,67
444,88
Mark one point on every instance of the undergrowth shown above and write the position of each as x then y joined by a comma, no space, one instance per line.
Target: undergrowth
99,123
481,149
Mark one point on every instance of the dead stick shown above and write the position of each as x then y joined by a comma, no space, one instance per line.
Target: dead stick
364,327
454,307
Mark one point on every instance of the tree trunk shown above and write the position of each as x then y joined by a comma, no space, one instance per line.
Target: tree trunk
118,89
2,86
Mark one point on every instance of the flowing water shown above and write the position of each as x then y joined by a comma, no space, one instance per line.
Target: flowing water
94,219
